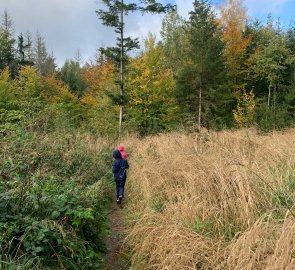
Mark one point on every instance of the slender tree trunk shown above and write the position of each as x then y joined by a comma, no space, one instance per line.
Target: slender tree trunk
121,72
200,106
274,97
200,96
268,99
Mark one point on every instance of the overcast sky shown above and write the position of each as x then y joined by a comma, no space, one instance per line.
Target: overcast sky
68,25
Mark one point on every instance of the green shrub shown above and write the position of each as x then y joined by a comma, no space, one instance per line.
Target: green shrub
53,199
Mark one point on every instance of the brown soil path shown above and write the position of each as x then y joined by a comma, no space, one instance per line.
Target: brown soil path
113,242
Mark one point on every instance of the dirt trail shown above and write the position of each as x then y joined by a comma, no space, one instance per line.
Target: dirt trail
113,257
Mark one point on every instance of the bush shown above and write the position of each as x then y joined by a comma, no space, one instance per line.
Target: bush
53,197
268,119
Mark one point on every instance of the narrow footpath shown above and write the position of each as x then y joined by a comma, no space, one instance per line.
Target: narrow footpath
113,242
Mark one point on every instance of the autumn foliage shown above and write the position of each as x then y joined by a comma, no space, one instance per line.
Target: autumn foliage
98,76
233,22
150,89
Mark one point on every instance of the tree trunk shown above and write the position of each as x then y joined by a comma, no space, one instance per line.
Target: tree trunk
274,98
121,73
200,94
200,107
268,99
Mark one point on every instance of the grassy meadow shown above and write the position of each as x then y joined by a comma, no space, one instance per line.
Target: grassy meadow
221,200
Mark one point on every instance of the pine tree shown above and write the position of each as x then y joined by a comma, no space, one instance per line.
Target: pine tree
201,77
44,62
29,53
22,47
7,22
114,17
7,42
6,48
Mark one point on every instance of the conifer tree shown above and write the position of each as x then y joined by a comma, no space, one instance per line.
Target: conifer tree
7,41
201,78
22,47
29,54
44,62
7,22
71,73
114,17
6,48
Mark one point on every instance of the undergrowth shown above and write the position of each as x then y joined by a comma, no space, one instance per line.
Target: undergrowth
54,192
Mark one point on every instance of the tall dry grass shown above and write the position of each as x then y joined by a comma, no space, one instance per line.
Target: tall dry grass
221,201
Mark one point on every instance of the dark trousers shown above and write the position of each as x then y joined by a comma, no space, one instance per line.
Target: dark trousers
120,187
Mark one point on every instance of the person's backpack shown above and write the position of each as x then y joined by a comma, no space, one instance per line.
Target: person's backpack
122,169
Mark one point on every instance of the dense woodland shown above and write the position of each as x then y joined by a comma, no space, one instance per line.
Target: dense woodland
217,72
214,72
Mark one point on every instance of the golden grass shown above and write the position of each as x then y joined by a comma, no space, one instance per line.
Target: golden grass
221,201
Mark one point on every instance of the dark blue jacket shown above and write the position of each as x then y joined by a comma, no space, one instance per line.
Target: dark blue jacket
118,163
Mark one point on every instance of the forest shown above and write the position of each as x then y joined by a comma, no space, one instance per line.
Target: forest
213,72
216,72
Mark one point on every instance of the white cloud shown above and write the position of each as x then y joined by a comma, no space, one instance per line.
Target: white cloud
184,7
71,24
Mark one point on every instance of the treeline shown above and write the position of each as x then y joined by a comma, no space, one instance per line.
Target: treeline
23,50
230,70
209,71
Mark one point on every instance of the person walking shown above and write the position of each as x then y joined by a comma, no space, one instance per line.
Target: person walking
119,168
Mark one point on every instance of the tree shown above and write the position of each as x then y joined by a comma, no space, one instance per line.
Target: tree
29,53
7,22
233,22
150,87
29,81
114,17
56,91
98,97
6,48
99,76
11,55
72,74
44,62
205,68
244,111
272,64
22,47
174,39
7,43
78,56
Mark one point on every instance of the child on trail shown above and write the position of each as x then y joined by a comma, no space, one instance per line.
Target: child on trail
122,151
119,170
